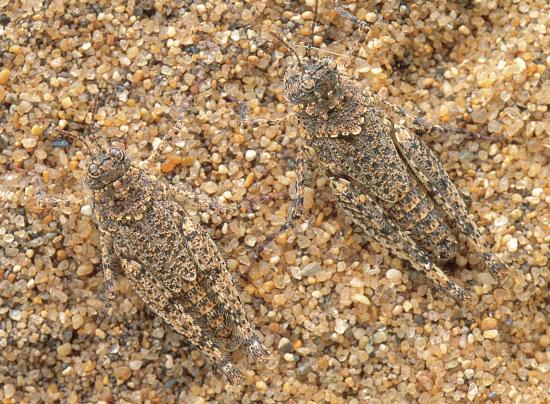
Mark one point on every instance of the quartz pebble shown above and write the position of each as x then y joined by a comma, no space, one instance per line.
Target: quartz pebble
77,321
9,390
473,390
394,276
122,373
15,314
340,326
64,349
250,155
490,334
512,244
380,337
135,364
84,269
488,323
4,76
86,210
312,269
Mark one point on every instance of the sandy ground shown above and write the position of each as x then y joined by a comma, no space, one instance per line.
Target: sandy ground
347,322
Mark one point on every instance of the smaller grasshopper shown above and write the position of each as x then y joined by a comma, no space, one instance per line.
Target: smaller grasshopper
383,175
170,261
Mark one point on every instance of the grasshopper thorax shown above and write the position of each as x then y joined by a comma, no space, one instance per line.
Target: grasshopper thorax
314,85
107,167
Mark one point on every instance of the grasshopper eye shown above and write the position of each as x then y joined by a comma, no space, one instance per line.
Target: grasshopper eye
117,154
308,85
93,170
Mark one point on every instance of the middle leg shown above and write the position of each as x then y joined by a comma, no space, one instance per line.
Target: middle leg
423,127
294,209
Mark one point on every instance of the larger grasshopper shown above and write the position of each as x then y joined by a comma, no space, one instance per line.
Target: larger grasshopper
383,175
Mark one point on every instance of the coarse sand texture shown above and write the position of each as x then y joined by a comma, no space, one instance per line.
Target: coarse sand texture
347,321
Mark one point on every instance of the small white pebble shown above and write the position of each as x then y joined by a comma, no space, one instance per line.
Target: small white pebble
490,334
284,344
340,326
86,210
250,240
521,64
135,365
29,142
360,298
288,357
169,362
394,276
15,314
356,283
501,221
250,155
512,244
472,391
9,390
156,142
171,32
67,371
370,17
235,35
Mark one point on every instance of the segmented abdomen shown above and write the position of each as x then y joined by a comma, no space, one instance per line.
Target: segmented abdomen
415,212
196,299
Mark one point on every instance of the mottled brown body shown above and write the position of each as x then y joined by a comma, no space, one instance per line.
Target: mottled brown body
372,158
170,261
382,174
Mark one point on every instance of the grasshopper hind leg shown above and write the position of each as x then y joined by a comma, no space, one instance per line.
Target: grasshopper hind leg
365,213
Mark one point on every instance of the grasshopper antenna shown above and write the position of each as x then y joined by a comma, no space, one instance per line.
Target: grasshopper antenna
285,43
312,34
364,29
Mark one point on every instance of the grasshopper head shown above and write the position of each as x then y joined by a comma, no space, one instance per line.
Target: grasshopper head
106,167
312,83
107,163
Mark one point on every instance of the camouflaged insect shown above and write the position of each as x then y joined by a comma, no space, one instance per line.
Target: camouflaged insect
170,261
383,175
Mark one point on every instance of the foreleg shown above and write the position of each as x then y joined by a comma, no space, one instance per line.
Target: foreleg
247,123
175,130
109,262
44,199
